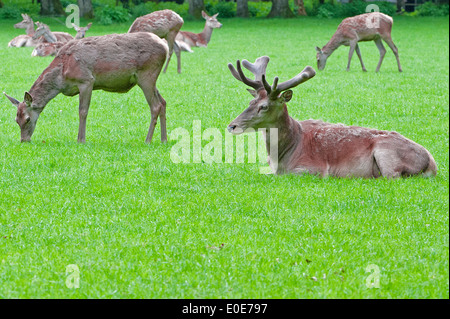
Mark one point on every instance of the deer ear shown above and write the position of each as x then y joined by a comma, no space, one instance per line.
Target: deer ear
287,96
75,27
28,98
318,49
204,15
215,16
88,25
252,92
13,100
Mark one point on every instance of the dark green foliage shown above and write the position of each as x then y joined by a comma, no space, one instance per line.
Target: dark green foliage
9,12
431,9
108,15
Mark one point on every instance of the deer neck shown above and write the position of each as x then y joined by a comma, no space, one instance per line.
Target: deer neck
47,86
50,37
334,43
289,134
30,29
206,34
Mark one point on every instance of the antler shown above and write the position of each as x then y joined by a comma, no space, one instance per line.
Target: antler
259,70
307,73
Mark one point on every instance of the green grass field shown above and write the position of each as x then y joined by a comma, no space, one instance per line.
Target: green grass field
139,226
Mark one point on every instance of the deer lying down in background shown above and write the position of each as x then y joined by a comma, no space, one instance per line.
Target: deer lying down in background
165,24
113,63
43,30
373,26
185,40
51,48
316,147
24,40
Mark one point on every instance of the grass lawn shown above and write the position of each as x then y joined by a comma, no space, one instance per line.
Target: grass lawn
138,225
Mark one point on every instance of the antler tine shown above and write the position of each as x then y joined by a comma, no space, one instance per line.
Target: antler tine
266,85
303,76
258,68
239,75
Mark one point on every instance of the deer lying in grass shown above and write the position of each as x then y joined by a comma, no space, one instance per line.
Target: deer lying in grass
24,40
43,30
186,40
373,26
113,63
316,147
165,24
51,48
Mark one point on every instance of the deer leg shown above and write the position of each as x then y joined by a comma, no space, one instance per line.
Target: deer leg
360,58
156,104
394,49
162,117
382,50
350,53
83,109
177,50
171,43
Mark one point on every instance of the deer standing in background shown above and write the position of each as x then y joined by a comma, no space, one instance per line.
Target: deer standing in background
165,24
51,48
24,40
316,147
44,31
113,63
186,40
374,26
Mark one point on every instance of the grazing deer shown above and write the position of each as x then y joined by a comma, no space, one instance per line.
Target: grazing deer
316,147
24,40
51,48
113,63
165,24
374,26
186,40
44,31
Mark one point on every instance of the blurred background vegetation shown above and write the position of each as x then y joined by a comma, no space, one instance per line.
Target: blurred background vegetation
120,11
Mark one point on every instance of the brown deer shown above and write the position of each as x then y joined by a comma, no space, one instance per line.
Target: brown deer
24,40
165,24
374,26
186,40
113,63
43,30
316,147
51,48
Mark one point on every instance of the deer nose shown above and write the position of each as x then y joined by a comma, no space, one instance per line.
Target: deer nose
231,128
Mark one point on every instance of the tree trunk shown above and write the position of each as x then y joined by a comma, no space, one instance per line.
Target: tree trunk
86,10
280,8
301,8
400,5
242,8
51,8
195,8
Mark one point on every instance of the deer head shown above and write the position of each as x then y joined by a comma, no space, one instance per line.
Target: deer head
47,49
212,21
43,30
27,116
25,23
321,59
81,31
269,103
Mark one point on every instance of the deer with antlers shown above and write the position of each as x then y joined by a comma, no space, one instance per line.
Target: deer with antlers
51,48
316,147
185,40
374,26
24,40
113,63
165,24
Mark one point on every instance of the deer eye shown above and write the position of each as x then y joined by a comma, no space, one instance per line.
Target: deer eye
263,107
27,119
